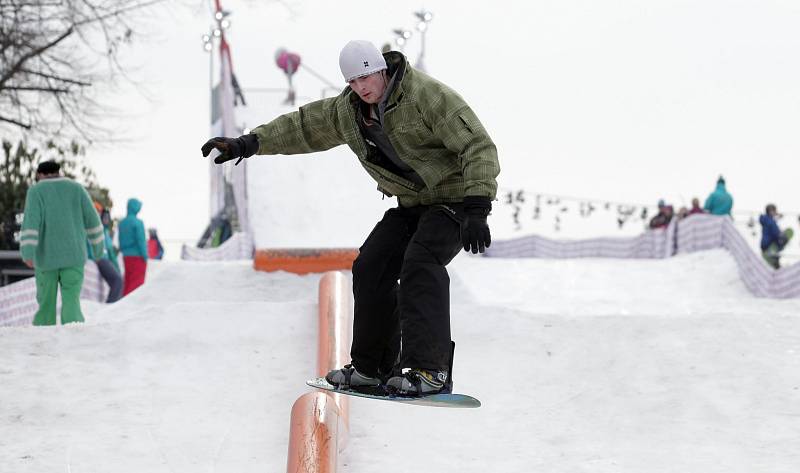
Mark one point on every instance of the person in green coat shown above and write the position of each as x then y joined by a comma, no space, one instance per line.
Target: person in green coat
421,142
59,218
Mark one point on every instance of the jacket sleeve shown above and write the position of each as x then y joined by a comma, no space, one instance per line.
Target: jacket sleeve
31,224
454,122
93,226
314,127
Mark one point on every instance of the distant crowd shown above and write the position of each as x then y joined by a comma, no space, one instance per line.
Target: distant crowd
720,202
62,227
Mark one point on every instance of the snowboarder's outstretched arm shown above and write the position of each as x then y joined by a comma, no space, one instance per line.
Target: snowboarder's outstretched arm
314,127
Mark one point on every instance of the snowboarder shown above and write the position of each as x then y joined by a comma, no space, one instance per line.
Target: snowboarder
423,144
773,240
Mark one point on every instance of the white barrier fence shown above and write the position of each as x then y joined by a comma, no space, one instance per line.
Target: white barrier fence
238,246
18,300
695,233
651,244
704,232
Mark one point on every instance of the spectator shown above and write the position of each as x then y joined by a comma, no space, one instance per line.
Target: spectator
109,269
720,201
133,245
663,217
59,217
772,239
108,227
696,209
154,248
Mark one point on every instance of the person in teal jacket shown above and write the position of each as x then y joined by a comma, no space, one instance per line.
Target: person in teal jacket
133,245
719,202
108,267
105,217
59,218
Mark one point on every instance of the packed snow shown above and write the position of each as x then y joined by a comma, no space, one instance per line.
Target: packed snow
581,365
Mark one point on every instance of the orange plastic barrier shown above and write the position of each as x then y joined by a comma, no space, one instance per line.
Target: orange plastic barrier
302,261
320,420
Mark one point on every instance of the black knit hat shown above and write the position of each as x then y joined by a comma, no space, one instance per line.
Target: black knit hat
48,167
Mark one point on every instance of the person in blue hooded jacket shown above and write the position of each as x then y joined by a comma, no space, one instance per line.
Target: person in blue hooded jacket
133,245
719,202
773,240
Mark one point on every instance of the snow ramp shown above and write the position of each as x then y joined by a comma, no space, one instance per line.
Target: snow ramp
601,365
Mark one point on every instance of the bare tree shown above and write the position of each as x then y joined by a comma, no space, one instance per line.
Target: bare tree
52,55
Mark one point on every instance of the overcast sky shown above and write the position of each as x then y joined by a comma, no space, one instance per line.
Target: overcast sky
620,100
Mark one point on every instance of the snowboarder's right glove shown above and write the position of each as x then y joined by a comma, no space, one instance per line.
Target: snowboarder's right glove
231,148
476,236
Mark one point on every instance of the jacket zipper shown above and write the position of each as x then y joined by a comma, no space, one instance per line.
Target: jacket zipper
366,152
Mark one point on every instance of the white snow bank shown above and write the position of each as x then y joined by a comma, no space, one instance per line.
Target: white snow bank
582,365
196,370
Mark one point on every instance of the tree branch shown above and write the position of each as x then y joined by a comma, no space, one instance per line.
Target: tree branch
33,53
58,78
14,122
105,16
38,89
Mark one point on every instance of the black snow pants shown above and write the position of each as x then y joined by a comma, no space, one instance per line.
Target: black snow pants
112,278
413,245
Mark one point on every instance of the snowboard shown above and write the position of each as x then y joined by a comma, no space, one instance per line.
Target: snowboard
433,400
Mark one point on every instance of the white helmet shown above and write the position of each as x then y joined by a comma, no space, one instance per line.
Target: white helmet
360,58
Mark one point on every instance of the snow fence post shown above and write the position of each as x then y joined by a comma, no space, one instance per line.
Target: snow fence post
320,421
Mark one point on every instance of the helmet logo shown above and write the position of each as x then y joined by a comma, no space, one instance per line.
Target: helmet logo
366,63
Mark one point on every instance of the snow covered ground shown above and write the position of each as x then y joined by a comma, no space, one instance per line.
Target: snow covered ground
628,366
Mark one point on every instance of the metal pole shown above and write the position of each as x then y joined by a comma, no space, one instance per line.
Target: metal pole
421,59
211,86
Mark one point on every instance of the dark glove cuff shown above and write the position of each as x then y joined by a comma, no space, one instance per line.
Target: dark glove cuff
251,144
477,205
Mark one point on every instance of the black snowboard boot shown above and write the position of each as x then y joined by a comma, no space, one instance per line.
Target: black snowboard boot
420,382
350,378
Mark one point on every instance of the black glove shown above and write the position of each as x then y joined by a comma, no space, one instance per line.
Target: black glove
232,148
476,236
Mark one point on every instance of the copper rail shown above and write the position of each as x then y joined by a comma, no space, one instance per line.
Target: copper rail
320,420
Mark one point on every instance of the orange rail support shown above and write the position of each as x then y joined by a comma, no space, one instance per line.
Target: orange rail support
320,420
304,261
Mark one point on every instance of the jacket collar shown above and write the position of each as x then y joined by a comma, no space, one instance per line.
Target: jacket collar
397,68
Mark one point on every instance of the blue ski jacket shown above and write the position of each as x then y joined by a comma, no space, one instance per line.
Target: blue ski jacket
719,202
132,241
769,231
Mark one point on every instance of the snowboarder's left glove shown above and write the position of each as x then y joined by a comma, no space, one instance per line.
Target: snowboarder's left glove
232,148
476,236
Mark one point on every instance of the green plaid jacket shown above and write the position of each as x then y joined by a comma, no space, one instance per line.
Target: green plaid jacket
430,126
